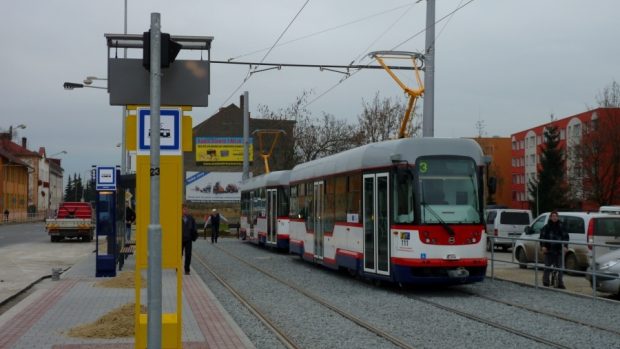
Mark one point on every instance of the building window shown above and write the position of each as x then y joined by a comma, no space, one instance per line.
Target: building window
562,134
514,145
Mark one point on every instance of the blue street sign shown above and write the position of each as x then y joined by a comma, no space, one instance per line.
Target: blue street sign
169,131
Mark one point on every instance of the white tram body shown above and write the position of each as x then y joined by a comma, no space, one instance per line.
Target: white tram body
264,209
407,211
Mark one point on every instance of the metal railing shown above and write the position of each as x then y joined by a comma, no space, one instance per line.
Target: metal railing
592,272
24,218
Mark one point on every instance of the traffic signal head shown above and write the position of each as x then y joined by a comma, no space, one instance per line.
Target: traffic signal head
169,50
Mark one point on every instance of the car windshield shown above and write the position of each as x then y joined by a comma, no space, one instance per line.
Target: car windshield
515,218
448,190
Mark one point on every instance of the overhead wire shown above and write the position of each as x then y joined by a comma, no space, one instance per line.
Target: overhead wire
458,8
249,73
325,30
385,32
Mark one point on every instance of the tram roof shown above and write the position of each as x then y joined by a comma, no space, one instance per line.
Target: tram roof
271,179
380,154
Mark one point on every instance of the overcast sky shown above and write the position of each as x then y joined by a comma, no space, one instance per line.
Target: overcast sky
509,63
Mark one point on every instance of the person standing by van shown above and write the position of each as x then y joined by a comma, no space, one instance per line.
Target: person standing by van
553,251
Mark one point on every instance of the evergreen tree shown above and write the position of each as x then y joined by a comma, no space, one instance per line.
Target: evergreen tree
549,191
69,189
79,188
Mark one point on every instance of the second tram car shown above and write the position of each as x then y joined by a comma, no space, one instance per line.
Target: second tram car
408,211
265,210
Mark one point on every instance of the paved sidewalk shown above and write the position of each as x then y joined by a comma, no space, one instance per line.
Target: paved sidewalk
42,319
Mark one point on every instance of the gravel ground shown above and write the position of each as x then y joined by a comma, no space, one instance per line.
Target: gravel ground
395,310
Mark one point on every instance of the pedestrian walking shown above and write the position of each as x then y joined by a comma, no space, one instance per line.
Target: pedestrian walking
6,214
189,235
130,217
553,251
214,219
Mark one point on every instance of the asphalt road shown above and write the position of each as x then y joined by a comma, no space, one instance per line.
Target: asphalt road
27,255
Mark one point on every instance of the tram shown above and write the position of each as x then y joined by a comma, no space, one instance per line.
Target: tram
408,211
265,210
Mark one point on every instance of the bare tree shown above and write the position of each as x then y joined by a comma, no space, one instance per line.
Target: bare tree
609,97
312,137
381,119
597,157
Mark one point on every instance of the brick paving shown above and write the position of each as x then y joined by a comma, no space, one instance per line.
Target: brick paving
75,300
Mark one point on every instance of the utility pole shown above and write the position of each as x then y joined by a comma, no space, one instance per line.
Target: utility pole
428,116
124,119
154,298
246,135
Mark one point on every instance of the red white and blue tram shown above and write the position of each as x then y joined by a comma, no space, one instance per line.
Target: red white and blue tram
265,210
408,211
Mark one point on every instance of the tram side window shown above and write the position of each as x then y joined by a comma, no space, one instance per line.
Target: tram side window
254,207
354,195
301,201
308,203
294,204
283,200
403,198
341,199
330,205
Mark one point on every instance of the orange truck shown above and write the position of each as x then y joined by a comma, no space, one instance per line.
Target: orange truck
73,220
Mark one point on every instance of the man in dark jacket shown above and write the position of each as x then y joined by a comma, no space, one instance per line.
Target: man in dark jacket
553,250
190,234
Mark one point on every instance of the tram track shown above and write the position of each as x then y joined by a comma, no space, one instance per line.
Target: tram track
537,311
488,322
347,315
447,302
261,316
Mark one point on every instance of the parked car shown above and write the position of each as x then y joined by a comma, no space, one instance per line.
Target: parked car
576,223
607,269
610,209
604,230
503,223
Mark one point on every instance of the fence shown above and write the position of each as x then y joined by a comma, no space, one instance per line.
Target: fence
590,273
24,218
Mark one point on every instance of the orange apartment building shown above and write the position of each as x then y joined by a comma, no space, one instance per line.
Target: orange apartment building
498,148
526,150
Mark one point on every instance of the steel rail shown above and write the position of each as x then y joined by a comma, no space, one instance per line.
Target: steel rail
546,313
279,333
379,332
490,323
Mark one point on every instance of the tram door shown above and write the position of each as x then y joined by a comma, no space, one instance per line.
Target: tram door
317,223
272,215
376,223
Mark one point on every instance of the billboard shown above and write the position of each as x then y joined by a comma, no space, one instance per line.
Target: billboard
212,186
221,151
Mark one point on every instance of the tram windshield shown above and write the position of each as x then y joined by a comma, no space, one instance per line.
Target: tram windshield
448,190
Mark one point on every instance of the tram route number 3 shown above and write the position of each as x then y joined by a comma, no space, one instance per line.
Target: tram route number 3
155,171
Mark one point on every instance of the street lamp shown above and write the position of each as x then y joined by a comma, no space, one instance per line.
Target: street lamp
89,79
22,126
73,85
60,152
87,83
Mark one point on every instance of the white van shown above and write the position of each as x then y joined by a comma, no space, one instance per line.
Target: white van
609,209
582,227
503,223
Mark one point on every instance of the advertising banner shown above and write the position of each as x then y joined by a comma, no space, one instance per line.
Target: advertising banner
212,186
221,151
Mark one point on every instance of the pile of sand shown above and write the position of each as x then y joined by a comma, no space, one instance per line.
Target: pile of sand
125,279
116,324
